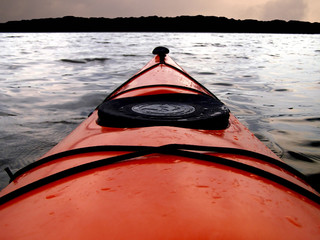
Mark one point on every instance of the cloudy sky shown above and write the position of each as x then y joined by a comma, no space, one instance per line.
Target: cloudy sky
305,10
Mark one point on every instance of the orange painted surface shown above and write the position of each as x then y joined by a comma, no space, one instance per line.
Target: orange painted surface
161,75
159,196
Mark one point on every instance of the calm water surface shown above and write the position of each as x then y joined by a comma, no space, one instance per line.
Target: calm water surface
49,82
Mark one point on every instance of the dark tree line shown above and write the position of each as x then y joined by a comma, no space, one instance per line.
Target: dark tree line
159,24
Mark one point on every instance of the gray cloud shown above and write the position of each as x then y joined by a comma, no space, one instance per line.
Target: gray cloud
284,9
307,10
30,9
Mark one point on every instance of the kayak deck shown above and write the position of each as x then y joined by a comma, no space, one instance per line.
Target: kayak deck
164,181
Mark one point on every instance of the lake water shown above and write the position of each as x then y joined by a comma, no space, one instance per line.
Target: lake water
50,82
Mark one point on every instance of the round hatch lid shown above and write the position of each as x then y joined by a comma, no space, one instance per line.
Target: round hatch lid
179,110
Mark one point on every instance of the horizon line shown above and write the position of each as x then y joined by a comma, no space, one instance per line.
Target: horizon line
198,15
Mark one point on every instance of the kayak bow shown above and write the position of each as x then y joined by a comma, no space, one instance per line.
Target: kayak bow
163,158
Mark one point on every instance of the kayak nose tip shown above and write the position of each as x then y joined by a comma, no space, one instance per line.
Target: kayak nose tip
161,52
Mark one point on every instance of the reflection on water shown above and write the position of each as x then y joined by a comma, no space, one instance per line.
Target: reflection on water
50,82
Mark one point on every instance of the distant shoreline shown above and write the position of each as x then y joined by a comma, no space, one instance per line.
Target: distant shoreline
159,24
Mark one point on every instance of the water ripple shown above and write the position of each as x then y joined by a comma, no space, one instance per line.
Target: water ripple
85,60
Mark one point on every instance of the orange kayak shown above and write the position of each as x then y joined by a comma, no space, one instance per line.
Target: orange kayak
161,158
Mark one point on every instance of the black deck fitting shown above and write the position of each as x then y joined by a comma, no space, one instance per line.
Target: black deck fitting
161,52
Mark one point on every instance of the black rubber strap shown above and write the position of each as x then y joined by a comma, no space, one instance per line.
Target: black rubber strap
123,148
77,151
69,172
190,77
248,168
159,85
241,152
154,66
115,148
168,150
10,174
130,79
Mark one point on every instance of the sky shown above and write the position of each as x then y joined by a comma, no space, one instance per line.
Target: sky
303,10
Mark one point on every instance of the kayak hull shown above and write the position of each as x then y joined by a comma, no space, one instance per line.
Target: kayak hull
167,181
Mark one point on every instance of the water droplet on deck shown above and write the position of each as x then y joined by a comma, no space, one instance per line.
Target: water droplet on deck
202,186
50,196
216,197
294,221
